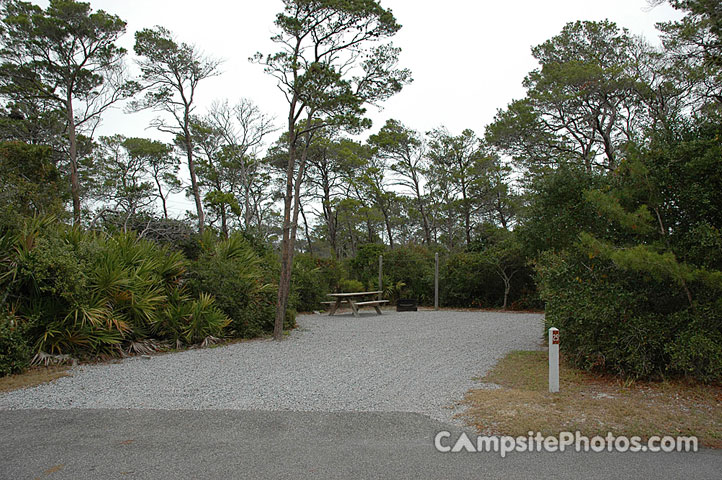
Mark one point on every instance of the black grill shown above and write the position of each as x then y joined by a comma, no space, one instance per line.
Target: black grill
406,305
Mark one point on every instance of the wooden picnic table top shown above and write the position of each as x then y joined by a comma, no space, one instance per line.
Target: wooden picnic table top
353,294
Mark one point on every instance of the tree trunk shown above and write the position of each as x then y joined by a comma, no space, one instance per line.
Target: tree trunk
224,221
73,147
247,213
507,282
467,215
427,231
329,216
284,282
500,211
507,287
354,241
290,247
387,221
450,225
194,180
420,201
308,234
160,195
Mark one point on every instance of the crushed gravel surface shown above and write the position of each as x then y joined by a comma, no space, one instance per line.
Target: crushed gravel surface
421,362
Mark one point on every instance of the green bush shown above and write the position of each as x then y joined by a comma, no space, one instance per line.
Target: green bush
188,321
31,183
14,351
90,294
412,265
234,274
289,322
365,265
309,284
349,285
469,281
697,350
557,210
628,323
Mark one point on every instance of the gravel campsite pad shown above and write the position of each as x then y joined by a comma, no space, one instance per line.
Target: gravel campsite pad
421,362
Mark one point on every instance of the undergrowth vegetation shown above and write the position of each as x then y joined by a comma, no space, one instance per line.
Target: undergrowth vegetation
74,293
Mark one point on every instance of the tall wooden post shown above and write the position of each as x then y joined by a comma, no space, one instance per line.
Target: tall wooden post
436,283
381,276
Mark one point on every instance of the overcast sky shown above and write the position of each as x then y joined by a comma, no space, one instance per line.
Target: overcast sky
468,58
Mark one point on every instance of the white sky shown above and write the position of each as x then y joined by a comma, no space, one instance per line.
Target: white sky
468,58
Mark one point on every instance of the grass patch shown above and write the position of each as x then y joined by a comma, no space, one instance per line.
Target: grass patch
591,404
33,377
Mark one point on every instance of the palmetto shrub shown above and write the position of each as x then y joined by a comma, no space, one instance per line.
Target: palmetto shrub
88,294
188,321
240,280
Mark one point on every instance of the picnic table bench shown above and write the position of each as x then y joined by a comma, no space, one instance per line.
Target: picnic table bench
355,300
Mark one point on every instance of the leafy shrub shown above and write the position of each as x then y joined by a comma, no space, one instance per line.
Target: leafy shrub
308,285
233,273
467,281
625,322
88,294
168,232
558,210
697,351
188,321
14,350
350,285
365,265
289,322
412,265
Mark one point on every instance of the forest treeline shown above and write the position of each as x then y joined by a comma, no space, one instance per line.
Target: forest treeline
596,196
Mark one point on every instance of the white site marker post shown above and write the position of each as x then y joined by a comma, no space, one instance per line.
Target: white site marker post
554,360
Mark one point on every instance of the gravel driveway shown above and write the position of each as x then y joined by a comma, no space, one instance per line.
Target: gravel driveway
419,362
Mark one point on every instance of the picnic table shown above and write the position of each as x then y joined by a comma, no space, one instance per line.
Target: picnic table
355,300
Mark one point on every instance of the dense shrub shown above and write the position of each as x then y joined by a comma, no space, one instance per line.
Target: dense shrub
469,280
696,350
413,266
88,294
626,322
466,281
312,280
234,274
169,232
557,210
14,351
188,321
350,285
365,265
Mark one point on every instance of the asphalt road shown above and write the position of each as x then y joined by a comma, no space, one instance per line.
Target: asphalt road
178,444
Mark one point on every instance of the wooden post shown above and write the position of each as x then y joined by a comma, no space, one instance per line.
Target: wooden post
436,283
381,276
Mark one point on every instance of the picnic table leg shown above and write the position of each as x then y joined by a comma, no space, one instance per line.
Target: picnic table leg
334,306
378,309
354,308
